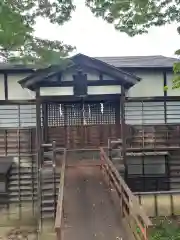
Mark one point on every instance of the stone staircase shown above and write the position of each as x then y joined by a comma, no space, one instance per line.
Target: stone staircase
48,185
23,186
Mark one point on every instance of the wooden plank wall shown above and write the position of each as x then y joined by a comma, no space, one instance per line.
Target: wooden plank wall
14,141
90,136
17,142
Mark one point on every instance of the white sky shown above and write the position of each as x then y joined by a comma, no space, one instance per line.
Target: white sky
94,37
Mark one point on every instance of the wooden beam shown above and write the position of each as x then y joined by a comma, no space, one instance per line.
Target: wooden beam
6,86
45,122
165,96
123,128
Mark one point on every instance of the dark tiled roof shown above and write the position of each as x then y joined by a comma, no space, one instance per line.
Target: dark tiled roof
120,62
9,66
140,61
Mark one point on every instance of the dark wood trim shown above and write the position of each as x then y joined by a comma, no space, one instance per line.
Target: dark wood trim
45,122
153,99
16,102
147,69
165,96
117,119
16,71
6,86
123,129
31,69
101,77
89,98
38,127
39,160
71,83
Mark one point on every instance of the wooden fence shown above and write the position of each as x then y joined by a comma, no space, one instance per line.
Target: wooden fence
163,203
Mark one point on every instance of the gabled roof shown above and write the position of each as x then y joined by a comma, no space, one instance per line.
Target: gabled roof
125,78
156,61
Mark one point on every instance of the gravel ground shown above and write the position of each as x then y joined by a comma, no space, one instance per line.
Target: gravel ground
18,234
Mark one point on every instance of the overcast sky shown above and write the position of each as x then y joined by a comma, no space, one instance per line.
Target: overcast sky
94,37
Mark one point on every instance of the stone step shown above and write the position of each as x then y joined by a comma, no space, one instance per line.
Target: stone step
45,187
47,202
29,182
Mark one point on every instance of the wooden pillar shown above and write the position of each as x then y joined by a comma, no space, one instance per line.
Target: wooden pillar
123,128
66,127
118,119
45,122
39,156
38,127
165,96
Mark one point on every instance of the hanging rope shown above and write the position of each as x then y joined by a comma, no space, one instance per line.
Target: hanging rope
84,115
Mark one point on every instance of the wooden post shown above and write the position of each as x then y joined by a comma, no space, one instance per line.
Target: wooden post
45,122
123,128
39,157
117,119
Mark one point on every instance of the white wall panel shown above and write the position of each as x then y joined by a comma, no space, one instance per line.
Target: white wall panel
15,91
144,113
151,85
173,112
56,91
99,90
13,116
67,76
91,76
106,77
170,91
68,91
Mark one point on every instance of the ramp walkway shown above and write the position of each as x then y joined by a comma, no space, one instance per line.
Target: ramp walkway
95,203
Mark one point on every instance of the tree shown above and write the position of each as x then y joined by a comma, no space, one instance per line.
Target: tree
137,16
17,21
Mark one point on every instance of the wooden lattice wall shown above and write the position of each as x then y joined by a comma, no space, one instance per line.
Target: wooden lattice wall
81,125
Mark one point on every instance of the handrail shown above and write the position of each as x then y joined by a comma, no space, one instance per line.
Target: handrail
59,209
132,212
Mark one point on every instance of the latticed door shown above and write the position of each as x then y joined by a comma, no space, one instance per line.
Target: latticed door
81,125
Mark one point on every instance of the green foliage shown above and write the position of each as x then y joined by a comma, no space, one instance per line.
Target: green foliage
17,41
166,230
176,79
136,16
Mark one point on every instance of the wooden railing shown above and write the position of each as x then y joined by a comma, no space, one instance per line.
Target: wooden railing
134,217
59,209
